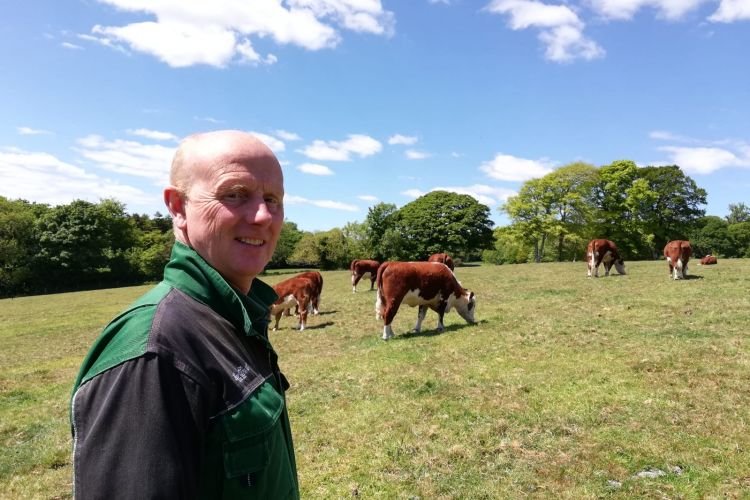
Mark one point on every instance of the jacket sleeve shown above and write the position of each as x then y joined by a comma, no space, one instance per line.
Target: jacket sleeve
137,432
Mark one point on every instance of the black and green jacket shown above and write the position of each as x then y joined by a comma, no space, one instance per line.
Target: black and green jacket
181,396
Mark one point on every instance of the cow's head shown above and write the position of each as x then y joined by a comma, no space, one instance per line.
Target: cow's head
620,266
465,305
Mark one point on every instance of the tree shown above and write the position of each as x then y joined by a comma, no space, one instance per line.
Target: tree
306,251
532,214
18,242
380,218
738,212
710,235
288,240
333,250
509,248
740,234
442,221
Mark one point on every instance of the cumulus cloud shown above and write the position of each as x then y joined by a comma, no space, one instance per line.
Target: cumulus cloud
287,136
626,9
664,135
360,145
32,131
704,160
730,11
43,178
218,33
334,205
561,30
510,168
151,161
154,134
276,145
314,169
402,139
367,197
416,155
71,46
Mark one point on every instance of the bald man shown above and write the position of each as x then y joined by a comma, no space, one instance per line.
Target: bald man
181,396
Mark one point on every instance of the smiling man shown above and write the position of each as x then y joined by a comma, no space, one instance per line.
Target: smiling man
181,396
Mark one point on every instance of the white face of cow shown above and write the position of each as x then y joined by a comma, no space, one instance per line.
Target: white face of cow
465,305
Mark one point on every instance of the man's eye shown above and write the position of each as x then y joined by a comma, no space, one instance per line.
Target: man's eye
234,197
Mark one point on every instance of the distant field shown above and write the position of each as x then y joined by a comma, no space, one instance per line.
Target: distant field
621,387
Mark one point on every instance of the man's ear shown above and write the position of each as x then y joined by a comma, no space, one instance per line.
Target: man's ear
175,202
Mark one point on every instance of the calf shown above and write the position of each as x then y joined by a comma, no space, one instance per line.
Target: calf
297,291
678,254
603,252
423,284
442,257
708,260
360,268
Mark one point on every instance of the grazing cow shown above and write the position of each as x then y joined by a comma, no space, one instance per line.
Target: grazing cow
603,252
360,268
317,279
442,257
708,260
423,284
298,292
678,254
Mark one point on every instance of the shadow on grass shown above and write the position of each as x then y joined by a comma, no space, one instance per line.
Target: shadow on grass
434,332
326,313
317,326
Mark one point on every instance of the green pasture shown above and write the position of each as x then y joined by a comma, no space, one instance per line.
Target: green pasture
619,387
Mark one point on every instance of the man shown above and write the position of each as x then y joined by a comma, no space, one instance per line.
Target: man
181,396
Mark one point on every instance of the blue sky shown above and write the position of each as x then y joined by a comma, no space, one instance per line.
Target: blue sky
368,101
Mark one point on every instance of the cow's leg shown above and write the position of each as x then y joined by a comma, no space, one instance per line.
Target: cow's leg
678,269
278,317
355,280
440,310
304,306
389,310
595,262
373,277
420,317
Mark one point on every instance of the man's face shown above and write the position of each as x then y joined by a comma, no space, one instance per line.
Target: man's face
234,213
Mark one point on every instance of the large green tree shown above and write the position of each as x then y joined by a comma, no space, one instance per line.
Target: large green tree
443,221
18,244
288,239
380,219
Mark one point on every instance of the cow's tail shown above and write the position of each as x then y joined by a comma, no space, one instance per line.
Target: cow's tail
353,265
379,299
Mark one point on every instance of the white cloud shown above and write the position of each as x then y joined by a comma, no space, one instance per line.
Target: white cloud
153,134
510,168
361,145
413,193
218,33
704,160
314,169
334,205
275,144
287,136
367,197
561,28
32,131
71,46
664,135
43,178
626,9
730,11
402,139
151,161
208,119
416,155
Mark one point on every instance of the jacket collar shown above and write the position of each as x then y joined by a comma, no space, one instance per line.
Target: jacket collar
190,273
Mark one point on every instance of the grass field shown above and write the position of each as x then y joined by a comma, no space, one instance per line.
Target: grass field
620,387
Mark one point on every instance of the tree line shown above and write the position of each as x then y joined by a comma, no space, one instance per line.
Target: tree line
640,209
85,245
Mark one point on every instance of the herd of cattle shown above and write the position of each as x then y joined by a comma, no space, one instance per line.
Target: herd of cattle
433,285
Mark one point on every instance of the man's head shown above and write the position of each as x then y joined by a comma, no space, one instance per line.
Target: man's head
226,202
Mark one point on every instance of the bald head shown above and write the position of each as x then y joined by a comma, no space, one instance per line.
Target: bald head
197,154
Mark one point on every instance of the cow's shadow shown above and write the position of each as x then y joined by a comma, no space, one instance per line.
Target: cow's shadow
434,331
693,277
318,326
326,313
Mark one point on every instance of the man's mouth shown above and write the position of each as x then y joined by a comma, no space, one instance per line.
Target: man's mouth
251,241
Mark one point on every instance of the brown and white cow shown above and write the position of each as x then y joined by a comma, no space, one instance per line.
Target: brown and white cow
317,279
297,291
423,284
678,254
442,257
360,268
603,252
708,260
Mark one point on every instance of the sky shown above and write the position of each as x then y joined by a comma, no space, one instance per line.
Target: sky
370,101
